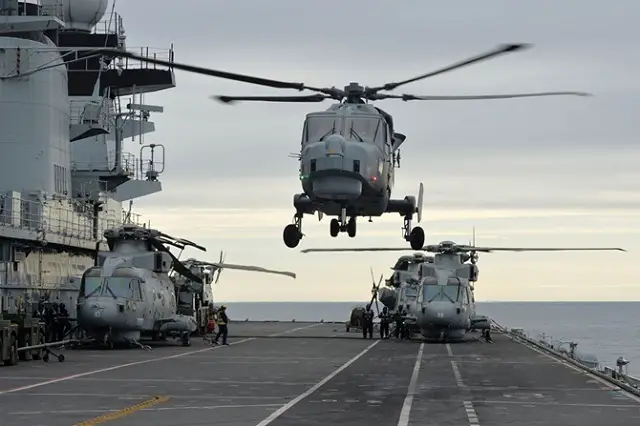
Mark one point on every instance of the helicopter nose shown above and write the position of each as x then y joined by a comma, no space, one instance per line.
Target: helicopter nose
96,314
440,313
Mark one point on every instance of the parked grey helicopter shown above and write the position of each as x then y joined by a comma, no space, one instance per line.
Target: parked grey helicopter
129,293
446,301
350,151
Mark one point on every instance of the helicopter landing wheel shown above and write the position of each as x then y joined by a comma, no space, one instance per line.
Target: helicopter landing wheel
334,227
416,238
291,235
351,227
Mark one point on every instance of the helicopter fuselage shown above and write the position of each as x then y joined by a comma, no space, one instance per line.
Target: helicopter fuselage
347,164
346,161
127,302
446,304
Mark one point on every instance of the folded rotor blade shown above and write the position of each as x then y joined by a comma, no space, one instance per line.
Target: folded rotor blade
210,72
480,97
307,98
507,48
178,266
249,268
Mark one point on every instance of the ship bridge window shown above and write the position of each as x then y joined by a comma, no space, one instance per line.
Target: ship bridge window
319,127
366,129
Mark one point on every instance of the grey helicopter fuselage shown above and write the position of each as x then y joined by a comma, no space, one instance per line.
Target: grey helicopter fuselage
129,295
346,161
446,302
403,287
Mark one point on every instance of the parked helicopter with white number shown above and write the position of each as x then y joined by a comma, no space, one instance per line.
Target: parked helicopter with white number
446,301
350,151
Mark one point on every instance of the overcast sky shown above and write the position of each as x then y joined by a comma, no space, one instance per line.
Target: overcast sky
526,172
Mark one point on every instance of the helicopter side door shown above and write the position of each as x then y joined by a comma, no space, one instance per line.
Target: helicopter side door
388,155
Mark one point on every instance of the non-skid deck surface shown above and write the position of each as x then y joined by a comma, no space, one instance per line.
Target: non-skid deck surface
298,378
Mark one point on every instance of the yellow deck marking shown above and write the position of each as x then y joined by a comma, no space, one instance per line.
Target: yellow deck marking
124,412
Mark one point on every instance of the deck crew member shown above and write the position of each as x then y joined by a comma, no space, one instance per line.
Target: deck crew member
399,318
222,321
385,319
367,322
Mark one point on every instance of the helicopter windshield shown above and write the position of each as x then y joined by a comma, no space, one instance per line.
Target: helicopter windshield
318,127
125,287
431,292
89,286
410,292
365,129
451,292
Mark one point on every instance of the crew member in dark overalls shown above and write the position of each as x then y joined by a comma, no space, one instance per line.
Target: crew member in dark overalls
64,325
399,318
367,322
385,319
223,321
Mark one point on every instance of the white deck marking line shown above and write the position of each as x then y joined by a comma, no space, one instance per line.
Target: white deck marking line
296,329
145,361
405,413
609,385
449,351
456,374
314,388
471,413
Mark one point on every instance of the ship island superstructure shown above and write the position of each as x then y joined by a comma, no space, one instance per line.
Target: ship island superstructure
65,113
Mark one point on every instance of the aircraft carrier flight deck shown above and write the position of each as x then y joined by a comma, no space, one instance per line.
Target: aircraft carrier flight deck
289,374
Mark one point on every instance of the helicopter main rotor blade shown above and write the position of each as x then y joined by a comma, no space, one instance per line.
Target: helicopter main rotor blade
479,97
500,50
521,249
213,73
356,249
307,98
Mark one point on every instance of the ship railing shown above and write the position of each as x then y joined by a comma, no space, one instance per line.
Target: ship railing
111,24
54,9
143,168
60,217
145,52
92,111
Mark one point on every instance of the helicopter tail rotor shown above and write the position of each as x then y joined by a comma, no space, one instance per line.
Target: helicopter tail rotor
222,257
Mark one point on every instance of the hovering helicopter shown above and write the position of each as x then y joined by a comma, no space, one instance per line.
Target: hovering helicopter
350,151
129,293
446,301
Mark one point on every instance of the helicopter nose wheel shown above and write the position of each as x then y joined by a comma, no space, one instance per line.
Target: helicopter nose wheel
292,233
336,226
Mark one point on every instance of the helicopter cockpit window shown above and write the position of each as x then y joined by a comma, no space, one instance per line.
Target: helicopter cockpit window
451,291
120,287
318,128
365,129
431,292
89,286
410,293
